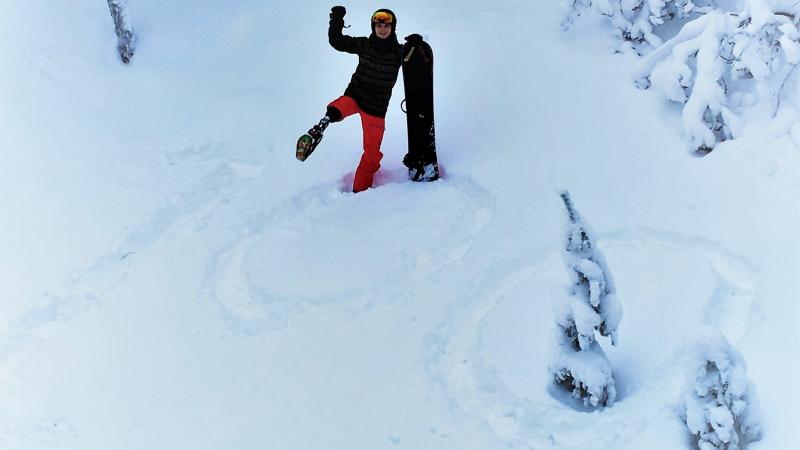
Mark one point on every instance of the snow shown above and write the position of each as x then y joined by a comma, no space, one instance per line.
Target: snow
578,363
174,278
721,403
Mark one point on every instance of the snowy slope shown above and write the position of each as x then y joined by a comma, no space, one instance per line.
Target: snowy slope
173,278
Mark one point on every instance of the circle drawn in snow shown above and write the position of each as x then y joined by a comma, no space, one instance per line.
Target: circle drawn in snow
667,284
324,249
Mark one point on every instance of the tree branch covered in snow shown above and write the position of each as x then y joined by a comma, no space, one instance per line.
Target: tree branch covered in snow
125,38
587,307
721,408
720,63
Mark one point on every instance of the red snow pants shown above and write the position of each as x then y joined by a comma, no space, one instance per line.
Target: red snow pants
373,128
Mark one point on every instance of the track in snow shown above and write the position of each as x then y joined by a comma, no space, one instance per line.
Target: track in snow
507,312
307,255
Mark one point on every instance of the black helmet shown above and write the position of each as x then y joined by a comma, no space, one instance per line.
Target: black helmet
384,16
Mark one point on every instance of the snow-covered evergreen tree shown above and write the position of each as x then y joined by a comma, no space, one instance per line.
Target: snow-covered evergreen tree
721,408
587,308
726,58
125,37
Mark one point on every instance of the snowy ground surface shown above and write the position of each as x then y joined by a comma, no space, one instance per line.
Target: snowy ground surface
172,278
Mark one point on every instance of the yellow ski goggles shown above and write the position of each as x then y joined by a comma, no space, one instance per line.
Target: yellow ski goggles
382,17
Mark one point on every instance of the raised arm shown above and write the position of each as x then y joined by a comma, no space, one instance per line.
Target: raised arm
339,41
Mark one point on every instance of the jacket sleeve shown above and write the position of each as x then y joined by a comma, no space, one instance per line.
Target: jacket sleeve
342,42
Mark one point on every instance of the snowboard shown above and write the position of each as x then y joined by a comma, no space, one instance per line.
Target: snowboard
418,83
701,152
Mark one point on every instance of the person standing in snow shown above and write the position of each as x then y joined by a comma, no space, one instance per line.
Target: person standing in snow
379,61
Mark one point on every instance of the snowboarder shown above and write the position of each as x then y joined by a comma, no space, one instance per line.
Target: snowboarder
379,60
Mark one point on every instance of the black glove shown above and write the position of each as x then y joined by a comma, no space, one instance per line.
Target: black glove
338,12
414,38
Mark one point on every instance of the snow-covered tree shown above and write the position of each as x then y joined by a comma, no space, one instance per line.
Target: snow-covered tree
726,58
587,308
721,408
125,37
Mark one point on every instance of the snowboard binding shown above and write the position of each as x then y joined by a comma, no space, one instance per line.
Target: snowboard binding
309,141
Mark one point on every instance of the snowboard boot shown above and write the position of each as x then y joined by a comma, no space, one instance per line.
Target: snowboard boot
309,141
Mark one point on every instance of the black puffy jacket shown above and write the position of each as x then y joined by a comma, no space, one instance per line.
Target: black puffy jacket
379,62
